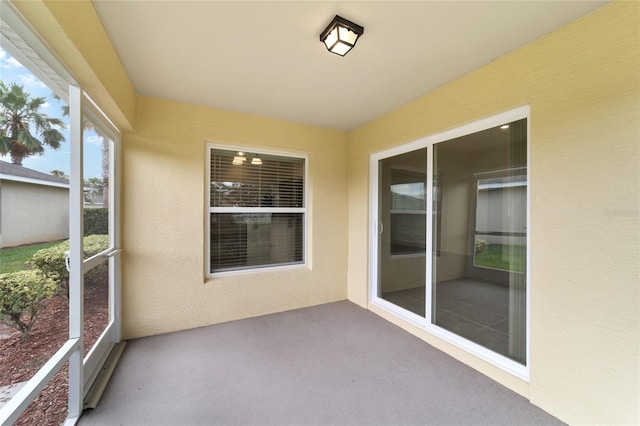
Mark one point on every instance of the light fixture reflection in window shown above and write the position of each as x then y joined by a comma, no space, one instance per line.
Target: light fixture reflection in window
239,159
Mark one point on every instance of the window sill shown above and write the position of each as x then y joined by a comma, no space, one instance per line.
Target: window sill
407,255
248,271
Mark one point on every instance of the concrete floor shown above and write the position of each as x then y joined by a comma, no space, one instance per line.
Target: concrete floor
333,364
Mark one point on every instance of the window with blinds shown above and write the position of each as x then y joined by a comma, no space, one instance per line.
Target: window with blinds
408,212
256,210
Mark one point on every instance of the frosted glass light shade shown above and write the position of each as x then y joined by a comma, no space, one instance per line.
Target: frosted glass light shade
341,35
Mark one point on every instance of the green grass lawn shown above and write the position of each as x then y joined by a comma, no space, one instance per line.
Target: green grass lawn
13,259
498,256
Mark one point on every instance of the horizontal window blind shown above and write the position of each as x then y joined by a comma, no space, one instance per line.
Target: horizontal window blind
408,233
408,211
240,240
276,182
257,210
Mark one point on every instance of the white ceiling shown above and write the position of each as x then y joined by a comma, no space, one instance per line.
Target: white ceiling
265,57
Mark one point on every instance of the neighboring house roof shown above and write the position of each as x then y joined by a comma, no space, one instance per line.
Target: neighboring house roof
406,202
9,171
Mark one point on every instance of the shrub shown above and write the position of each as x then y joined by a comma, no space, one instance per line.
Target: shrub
481,246
94,244
96,221
52,261
23,297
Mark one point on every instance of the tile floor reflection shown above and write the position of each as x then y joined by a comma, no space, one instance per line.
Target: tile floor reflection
476,310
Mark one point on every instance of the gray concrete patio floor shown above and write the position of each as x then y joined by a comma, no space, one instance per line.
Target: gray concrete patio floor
333,364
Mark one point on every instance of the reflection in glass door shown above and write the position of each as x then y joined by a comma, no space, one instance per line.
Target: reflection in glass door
402,183
479,270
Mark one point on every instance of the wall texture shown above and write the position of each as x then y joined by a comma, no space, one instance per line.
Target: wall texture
31,213
164,164
583,85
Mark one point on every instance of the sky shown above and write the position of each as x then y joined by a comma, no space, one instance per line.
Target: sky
416,190
12,71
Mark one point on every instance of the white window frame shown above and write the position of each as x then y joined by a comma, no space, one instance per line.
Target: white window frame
209,210
504,363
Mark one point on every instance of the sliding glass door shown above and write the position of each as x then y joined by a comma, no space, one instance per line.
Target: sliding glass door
479,266
402,208
449,236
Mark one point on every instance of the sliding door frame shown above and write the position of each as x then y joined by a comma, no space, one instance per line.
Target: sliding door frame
375,229
426,323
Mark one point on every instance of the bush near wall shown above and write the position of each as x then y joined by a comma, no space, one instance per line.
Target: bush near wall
23,297
96,221
51,261
481,246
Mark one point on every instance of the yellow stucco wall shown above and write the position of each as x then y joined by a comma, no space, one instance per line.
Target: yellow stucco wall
164,163
583,85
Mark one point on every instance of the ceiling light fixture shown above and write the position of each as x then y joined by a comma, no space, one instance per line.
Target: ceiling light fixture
341,35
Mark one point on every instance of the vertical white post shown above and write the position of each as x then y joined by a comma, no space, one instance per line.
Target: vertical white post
374,228
76,277
114,262
429,298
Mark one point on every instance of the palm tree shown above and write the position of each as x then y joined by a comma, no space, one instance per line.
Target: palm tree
93,188
20,120
60,174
